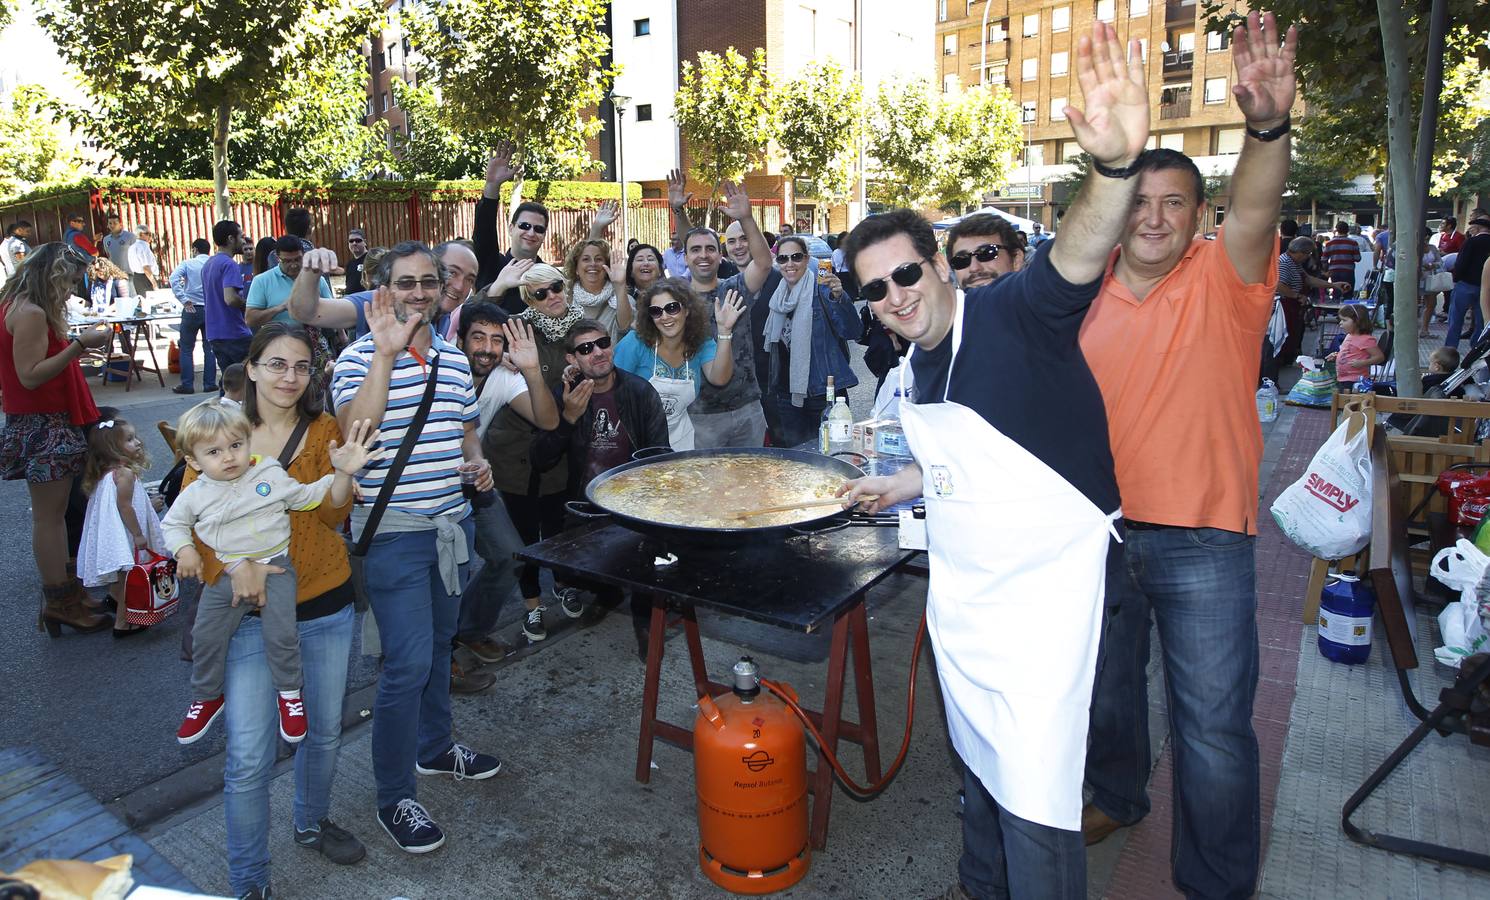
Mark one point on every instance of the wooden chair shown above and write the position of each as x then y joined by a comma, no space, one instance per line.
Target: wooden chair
168,433
1459,709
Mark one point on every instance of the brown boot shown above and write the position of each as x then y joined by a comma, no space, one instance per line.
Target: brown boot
61,607
85,600
1096,825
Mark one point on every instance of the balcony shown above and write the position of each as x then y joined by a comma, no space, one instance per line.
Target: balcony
1174,103
1179,62
1179,12
998,51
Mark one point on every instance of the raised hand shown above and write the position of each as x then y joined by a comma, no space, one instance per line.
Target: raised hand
736,201
1265,80
1115,123
359,450
577,399
606,214
510,277
499,168
615,270
678,194
319,262
727,311
390,336
522,350
835,286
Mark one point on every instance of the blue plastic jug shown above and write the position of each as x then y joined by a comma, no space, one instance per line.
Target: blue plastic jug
1345,608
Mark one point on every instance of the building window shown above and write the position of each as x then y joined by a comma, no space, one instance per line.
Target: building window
1067,151
1027,111
1058,109
1215,90
1143,49
641,27
1031,25
949,83
1058,63
1175,140
385,101
1034,155
1106,10
644,112
1229,141
1187,42
949,44
369,107
1138,8
1029,70
941,11
998,31
1217,40
1060,18
996,73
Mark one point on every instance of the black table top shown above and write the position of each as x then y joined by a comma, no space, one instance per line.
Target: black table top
799,583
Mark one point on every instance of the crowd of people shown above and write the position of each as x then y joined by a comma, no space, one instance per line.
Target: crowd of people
452,399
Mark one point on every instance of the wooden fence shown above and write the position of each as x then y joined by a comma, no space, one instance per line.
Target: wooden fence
180,215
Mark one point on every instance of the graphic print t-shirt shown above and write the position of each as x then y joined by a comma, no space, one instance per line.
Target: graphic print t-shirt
610,445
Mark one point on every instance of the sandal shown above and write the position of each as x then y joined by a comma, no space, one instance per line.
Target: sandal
131,631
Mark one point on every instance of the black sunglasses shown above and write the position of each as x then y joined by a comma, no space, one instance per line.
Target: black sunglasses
557,287
790,257
667,309
983,253
905,275
600,343
529,226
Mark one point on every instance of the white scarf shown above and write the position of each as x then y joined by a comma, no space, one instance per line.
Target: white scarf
586,300
790,323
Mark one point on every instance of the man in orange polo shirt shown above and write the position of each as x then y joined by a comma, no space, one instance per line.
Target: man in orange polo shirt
1173,341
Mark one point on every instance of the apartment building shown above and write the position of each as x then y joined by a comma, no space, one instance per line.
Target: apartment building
387,54
1029,46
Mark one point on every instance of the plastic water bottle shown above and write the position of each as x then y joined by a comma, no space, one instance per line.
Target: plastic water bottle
889,440
1345,608
1267,401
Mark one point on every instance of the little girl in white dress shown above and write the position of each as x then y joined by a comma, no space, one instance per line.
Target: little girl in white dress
121,520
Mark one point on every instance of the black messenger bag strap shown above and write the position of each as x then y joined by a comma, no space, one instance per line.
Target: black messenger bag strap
405,450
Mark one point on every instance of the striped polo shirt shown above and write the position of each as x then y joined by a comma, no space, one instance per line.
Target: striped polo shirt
429,485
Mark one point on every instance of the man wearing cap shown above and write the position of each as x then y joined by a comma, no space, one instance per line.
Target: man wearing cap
144,271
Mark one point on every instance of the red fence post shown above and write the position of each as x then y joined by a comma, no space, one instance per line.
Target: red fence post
414,216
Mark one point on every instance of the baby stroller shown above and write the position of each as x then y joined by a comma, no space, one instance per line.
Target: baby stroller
1472,378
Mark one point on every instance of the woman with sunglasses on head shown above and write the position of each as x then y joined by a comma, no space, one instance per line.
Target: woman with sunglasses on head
597,283
535,500
806,339
672,349
47,405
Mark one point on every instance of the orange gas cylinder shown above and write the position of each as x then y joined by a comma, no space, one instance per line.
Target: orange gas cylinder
750,765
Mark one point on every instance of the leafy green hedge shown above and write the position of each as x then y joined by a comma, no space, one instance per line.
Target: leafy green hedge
556,194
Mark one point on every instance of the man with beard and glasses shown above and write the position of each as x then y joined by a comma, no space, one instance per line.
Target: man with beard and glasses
310,304
419,555
981,248
487,336
499,274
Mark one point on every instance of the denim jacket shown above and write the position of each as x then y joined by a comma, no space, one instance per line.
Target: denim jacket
834,324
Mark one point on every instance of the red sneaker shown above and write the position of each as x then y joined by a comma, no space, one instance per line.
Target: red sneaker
291,716
199,717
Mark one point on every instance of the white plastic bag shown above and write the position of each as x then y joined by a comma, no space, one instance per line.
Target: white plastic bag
1464,568
1328,511
1463,633
886,403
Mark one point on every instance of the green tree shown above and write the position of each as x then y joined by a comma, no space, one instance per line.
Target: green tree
30,146
1312,177
902,144
724,110
980,136
521,71
818,129
431,149
186,68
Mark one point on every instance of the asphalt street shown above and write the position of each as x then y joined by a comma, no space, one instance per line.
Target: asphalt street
107,710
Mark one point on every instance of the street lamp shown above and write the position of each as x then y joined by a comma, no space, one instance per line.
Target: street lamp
618,102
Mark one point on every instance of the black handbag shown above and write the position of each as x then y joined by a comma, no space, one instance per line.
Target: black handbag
357,551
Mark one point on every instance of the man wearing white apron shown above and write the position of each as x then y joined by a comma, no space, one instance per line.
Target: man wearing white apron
1009,436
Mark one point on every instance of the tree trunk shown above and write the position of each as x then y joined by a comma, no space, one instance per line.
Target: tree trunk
1313,214
1407,219
220,160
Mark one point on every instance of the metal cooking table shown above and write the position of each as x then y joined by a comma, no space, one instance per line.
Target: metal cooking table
800,584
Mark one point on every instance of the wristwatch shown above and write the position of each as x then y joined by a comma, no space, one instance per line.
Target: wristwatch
1272,134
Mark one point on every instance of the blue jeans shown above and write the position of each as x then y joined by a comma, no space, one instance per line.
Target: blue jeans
1006,856
194,323
1465,298
416,621
482,601
252,722
1200,585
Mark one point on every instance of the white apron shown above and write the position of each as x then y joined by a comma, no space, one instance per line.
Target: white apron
676,394
1014,609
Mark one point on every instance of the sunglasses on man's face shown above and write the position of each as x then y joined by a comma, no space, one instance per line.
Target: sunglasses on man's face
356,240
556,288
529,226
600,343
667,309
982,253
905,275
783,258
